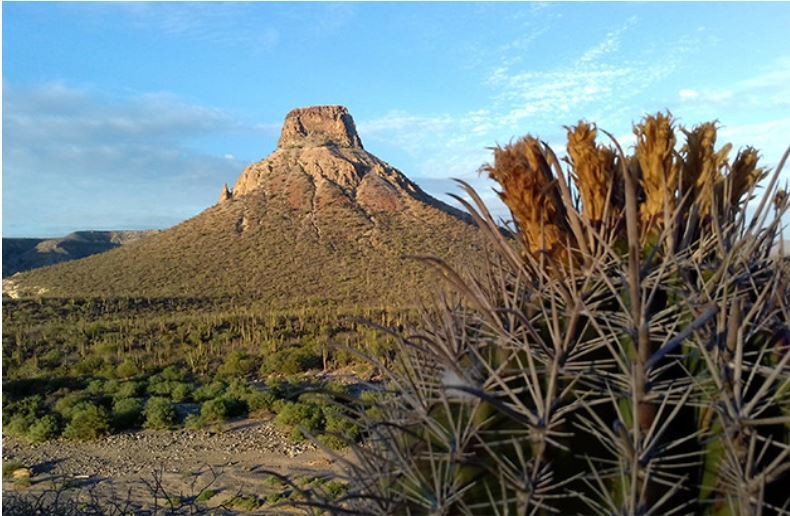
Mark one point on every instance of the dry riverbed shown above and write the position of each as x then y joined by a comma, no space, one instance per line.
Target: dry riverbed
231,462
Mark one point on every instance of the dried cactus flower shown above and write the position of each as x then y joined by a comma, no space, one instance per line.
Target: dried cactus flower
702,165
530,191
594,168
744,173
655,151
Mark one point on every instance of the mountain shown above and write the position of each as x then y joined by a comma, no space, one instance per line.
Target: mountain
22,254
320,220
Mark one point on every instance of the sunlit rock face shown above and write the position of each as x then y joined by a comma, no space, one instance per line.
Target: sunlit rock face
319,126
320,161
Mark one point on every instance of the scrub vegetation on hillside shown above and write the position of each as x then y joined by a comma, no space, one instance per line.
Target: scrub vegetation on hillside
84,368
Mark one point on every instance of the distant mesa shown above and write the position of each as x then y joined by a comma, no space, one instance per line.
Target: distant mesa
22,254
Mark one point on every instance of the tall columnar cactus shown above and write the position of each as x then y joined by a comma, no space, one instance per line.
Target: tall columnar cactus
627,353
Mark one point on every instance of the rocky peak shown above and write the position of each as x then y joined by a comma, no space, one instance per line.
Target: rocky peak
225,194
320,162
319,126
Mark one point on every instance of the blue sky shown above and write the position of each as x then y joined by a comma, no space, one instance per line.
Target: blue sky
133,115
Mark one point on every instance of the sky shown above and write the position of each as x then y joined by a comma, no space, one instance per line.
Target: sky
133,115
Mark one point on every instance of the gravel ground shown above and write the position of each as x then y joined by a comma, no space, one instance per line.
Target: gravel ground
186,461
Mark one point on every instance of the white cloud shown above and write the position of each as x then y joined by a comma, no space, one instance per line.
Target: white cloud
610,43
770,137
225,24
716,97
409,132
251,25
773,78
132,155
768,89
753,111
55,113
598,83
688,94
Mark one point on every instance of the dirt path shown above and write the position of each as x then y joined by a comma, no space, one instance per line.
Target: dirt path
185,461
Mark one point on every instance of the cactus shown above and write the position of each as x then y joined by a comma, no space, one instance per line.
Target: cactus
627,352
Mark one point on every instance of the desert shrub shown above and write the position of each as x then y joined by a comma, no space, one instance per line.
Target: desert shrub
95,388
294,416
209,391
180,392
290,361
88,421
371,404
111,387
344,357
315,396
334,490
259,401
159,413
65,405
17,425
237,364
253,399
175,390
235,406
127,369
332,441
107,371
276,498
156,386
194,422
626,352
30,406
282,387
52,358
237,388
28,369
206,495
324,488
174,373
335,389
44,429
87,367
126,413
129,389
339,428
245,503
214,410
278,405
220,409
302,360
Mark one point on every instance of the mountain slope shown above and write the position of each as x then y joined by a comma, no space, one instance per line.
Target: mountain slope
320,220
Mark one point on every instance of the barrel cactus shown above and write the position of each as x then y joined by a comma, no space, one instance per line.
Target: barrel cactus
624,350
